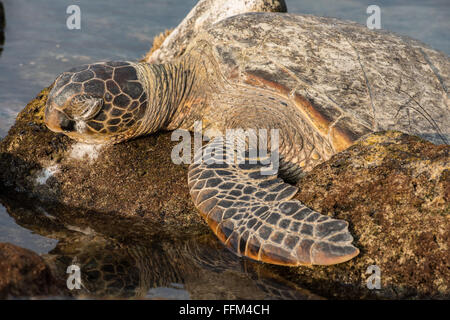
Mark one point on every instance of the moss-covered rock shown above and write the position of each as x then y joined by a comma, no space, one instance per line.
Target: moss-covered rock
136,179
394,189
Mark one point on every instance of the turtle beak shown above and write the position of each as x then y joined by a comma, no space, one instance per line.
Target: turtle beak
57,121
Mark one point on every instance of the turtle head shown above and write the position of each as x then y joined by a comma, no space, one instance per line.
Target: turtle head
97,103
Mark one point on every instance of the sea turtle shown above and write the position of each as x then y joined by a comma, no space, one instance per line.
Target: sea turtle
323,83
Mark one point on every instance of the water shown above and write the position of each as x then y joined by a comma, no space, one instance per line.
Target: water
13,233
38,46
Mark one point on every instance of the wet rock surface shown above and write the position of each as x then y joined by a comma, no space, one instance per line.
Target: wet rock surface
23,273
392,188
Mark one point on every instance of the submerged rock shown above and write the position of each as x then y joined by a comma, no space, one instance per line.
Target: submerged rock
23,273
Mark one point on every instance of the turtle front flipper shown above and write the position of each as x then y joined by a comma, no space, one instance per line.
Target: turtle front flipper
253,214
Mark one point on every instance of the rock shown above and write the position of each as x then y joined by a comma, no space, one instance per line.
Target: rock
394,189
135,179
2,27
23,273
2,18
203,15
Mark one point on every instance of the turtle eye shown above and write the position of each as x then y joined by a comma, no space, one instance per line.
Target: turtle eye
85,107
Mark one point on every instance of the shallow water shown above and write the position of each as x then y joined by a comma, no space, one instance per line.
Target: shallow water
38,46
13,233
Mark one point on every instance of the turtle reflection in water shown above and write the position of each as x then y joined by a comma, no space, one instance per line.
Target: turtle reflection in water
323,83
121,264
